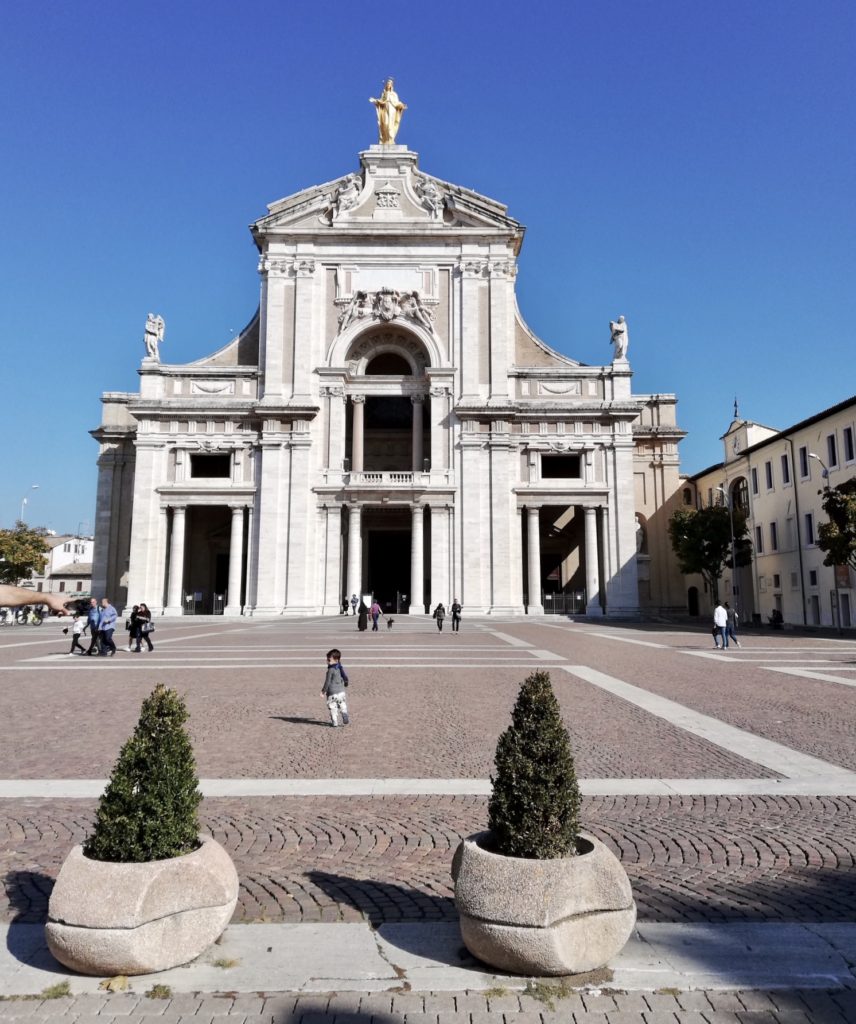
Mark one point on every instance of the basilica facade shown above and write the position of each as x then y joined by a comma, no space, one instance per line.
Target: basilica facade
387,425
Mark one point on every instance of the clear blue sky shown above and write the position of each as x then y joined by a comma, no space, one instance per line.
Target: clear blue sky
690,165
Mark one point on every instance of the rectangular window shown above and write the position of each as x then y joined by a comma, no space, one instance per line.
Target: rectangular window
768,475
79,585
66,547
560,467
832,450
812,578
211,466
759,541
849,449
777,581
774,537
786,470
62,586
795,581
710,497
804,462
809,529
754,481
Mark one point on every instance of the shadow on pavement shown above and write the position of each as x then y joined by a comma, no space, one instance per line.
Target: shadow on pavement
27,894
384,902
298,720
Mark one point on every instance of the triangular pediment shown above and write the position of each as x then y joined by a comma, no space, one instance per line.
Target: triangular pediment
388,191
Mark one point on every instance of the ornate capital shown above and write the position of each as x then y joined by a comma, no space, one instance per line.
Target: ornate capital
472,267
304,267
417,399
438,392
274,267
333,390
358,399
503,269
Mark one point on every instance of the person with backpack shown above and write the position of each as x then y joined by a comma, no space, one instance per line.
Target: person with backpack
440,615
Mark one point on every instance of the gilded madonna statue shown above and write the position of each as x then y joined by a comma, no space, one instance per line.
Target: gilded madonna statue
389,110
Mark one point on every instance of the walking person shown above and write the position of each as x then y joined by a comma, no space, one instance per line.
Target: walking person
720,624
375,614
335,683
106,627
77,628
456,615
93,621
440,615
363,620
354,602
131,626
732,619
144,628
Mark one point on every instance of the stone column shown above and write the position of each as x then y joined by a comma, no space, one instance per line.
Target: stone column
440,583
439,444
174,601
533,537
592,570
334,580
359,404
236,562
336,449
417,401
355,552
417,566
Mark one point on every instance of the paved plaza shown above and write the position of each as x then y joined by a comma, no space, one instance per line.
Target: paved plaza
725,782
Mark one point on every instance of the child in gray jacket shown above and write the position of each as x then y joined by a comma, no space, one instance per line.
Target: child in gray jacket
334,688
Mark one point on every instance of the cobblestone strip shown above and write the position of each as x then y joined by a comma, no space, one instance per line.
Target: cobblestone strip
388,859
548,1002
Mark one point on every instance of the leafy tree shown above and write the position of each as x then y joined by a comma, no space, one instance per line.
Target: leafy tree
23,551
701,539
149,808
534,809
838,536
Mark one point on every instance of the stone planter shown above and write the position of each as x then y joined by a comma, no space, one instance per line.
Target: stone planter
560,916
108,918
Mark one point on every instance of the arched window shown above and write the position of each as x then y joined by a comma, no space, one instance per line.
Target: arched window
389,364
740,495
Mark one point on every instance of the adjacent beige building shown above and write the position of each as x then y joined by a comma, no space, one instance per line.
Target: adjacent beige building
387,424
777,477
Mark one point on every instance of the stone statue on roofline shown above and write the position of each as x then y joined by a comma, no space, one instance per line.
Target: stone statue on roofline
618,330
155,328
389,110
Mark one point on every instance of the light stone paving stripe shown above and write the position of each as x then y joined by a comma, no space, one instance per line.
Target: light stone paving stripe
837,783
145,664
813,674
775,756
422,957
628,640
506,638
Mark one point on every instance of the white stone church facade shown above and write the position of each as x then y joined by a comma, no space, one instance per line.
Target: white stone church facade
387,424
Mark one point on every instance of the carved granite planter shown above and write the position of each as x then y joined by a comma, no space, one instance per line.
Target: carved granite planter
560,916
109,918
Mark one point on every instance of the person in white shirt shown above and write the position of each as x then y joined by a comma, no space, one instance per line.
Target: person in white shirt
720,621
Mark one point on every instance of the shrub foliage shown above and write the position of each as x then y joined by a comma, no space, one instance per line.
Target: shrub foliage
149,808
534,809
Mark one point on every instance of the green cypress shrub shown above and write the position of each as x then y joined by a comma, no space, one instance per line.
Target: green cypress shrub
534,809
149,809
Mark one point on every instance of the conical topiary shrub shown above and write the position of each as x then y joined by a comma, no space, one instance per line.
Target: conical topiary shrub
534,809
149,808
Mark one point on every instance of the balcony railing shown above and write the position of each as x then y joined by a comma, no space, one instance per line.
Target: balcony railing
385,479
389,478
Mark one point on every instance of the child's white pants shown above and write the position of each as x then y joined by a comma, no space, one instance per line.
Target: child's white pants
337,702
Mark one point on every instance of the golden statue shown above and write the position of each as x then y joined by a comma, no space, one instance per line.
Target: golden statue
389,111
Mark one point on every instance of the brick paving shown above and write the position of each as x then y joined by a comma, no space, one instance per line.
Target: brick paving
424,708
552,1005
387,858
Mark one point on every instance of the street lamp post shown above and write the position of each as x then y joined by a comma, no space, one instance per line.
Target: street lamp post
734,589
825,475
25,500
